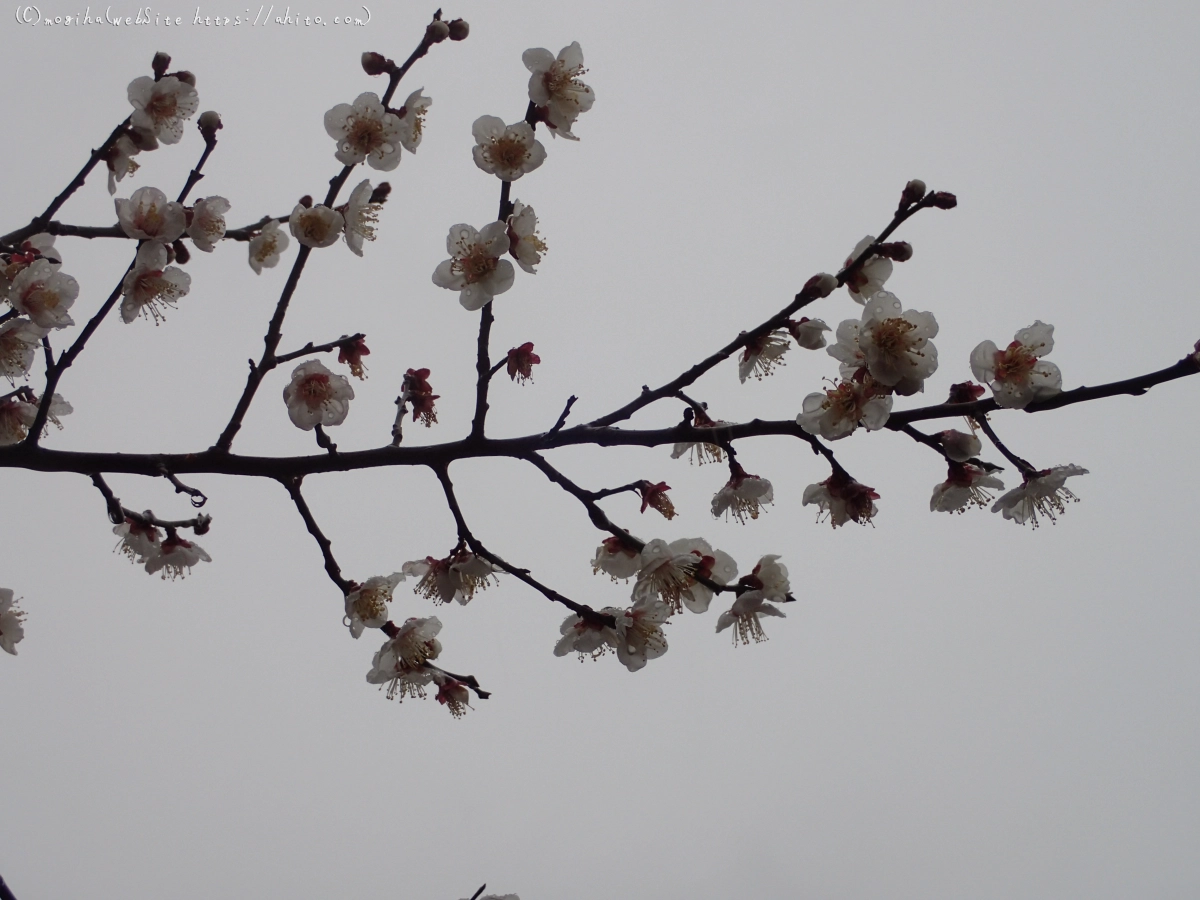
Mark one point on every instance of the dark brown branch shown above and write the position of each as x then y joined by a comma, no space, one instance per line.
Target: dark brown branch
483,372
118,513
562,417
197,497
469,680
249,232
331,567
1025,467
310,347
673,387
464,534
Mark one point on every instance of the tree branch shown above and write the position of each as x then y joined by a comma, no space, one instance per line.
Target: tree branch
331,567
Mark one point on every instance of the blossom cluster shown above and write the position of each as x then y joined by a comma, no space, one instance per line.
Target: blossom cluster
144,544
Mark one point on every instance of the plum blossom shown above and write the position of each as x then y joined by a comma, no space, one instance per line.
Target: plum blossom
959,446
149,216
762,354
160,107
639,632
19,342
457,577
120,161
475,268
316,396
617,558
965,485
1043,492
415,642
892,343
364,130
175,555
452,694
837,411
521,361
266,246
43,293
506,151
654,496
700,452
140,541
524,243
744,617
351,354
11,628
400,662
417,390
1018,375
743,495
555,87
672,572
17,416
842,499
366,605
151,285
208,222
587,637
316,226
361,216
42,244
871,275
808,333
412,119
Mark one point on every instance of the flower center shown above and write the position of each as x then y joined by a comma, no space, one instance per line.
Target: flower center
162,106
1014,363
371,604
562,83
892,337
149,220
508,152
315,390
362,134
476,265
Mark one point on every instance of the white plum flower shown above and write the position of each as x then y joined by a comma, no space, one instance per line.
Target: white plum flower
457,577
149,216
160,107
19,342
744,617
317,396
837,411
208,222
743,495
762,354
316,226
415,642
17,416
266,246
43,293
808,333
11,628
842,499
367,605
412,119
617,559
639,632
555,87
586,636
672,572
770,577
361,216
701,452
120,161
43,245
895,344
400,662
524,242
151,285
506,151
1017,374
965,485
475,268
871,275
959,446
1043,492
452,694
176,557
364,130
141,542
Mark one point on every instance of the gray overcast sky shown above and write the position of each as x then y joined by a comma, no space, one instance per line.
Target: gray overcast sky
957,707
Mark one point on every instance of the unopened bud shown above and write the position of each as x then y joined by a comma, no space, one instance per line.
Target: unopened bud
381,192
437,32
186,77
306,201
914,192
944,200
965,392
819,286
375,63
159,64
181,252
203,523
459,29
209,124
960,446
900,251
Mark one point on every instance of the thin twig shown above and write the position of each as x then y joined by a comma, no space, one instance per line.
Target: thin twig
197,497
562,417
310,347
331,567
